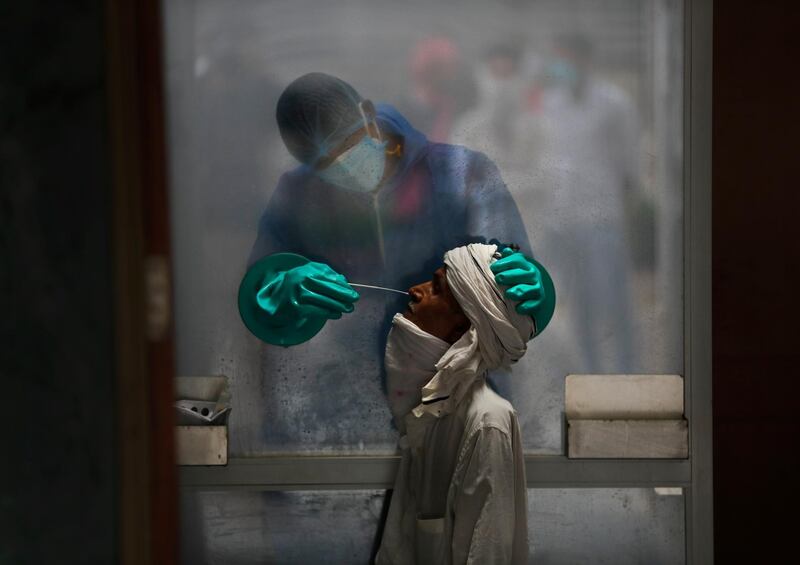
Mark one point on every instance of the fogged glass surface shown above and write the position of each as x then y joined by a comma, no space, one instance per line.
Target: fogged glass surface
578,104
605,527
565,526
238,528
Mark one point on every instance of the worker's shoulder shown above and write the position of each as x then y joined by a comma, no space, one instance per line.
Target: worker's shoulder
463,167
487,409
293,189
289,183
298,176
455,155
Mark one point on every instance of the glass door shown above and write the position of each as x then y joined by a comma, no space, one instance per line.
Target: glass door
594,114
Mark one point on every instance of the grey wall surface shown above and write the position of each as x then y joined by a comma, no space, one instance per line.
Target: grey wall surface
56,365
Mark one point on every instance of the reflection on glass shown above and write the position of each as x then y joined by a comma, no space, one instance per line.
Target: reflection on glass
565,527
578,106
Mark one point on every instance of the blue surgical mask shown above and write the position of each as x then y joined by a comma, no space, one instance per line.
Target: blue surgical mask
563,72
360,168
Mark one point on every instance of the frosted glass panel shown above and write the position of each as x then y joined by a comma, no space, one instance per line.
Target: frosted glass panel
605,527
579,104
238,528
565,527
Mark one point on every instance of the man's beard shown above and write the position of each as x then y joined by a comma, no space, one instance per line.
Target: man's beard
410,360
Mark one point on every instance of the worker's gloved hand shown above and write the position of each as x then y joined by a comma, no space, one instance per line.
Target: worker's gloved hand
311,290
523,279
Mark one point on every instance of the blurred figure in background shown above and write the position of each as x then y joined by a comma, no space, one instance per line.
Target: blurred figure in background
441,87
590,160
492,126
505,124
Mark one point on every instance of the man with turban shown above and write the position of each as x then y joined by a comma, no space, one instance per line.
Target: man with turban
459,496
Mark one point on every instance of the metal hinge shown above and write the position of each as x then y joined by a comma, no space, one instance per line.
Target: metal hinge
158,297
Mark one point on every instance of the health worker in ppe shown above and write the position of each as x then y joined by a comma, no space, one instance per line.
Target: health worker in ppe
459,495
370,198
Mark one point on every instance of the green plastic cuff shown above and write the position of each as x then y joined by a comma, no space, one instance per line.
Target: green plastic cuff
257,321
549,306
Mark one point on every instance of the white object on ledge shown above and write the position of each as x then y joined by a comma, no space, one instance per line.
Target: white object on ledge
623,397
628,439
201,443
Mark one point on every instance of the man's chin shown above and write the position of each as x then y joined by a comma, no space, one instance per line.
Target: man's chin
412,317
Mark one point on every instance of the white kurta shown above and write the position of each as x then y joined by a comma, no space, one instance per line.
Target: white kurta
460,496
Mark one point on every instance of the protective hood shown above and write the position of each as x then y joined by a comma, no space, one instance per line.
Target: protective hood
414,141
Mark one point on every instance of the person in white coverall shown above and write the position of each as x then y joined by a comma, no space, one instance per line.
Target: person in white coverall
459,496
589,159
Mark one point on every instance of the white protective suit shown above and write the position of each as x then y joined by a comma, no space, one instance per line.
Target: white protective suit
459,496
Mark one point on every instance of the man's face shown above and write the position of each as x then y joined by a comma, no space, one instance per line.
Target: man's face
435,310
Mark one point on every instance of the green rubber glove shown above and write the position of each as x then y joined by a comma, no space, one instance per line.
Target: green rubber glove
523,279
311,290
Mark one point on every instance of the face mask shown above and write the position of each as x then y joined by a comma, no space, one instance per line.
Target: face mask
563,72
360,168
410,360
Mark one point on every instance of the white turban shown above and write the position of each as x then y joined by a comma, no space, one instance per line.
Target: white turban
502,332
497,337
